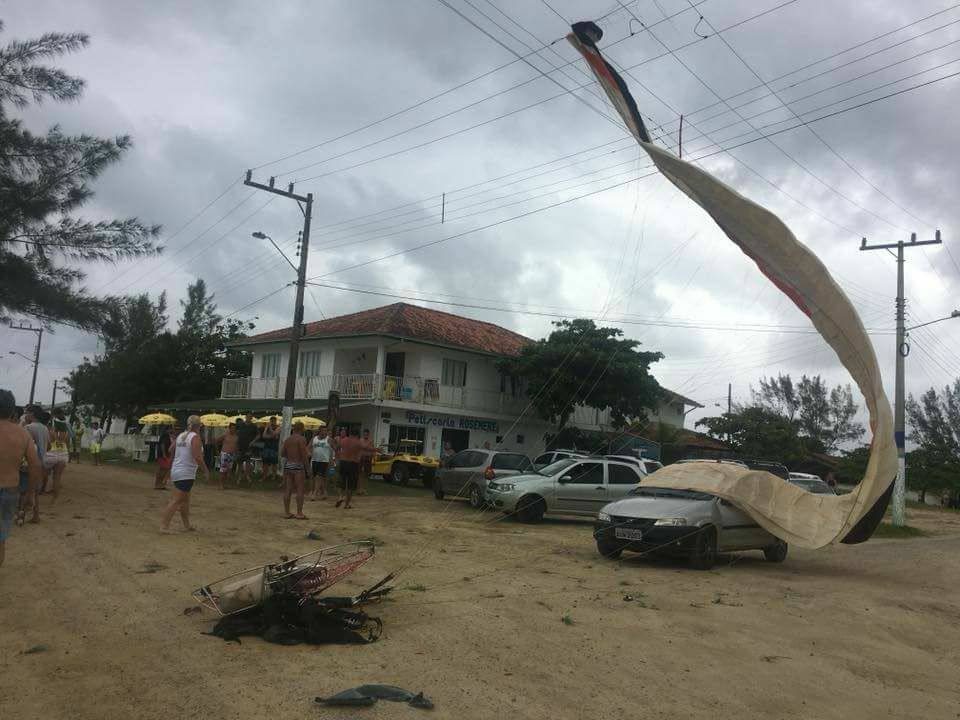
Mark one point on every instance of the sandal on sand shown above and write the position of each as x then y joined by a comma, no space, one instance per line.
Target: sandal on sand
339,503
288,516
300,517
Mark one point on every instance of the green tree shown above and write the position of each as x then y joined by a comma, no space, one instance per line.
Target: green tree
44,180
935,428
778,395
757,432
580,363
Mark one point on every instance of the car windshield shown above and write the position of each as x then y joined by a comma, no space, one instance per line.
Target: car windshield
510,461
655,492
817,487
556,467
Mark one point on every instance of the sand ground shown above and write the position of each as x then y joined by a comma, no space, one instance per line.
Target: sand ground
866,631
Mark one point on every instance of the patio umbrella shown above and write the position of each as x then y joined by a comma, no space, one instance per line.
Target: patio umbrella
309,423
266,419
215,420
235,418
157,419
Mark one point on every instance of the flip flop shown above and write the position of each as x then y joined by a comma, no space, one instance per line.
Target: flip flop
300,517
288,516
339,503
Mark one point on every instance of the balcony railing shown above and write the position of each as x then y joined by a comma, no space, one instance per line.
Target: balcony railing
422,391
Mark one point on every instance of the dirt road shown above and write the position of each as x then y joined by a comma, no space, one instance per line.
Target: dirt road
478,624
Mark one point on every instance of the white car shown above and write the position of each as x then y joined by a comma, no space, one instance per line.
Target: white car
571,486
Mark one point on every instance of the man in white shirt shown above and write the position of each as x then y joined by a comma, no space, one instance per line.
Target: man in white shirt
321,455
96,442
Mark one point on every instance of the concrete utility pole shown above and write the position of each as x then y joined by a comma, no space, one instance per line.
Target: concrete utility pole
53,400
899,402
305,203
36,354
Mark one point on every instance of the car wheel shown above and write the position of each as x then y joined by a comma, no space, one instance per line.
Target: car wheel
609,551
777,552
475,495
437,489
531,508
401,474
704,555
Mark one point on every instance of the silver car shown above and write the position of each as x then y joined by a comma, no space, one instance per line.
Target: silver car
571,486
467,473
551,456
690,524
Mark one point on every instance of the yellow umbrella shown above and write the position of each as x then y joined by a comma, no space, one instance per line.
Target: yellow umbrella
157,419
309,423
215,420
235,419
266,419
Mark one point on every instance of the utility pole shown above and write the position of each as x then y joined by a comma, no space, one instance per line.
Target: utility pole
899,402
729,405
53,400
36,354
305,202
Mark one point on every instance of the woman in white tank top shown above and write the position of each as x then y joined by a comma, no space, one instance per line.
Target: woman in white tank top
187,459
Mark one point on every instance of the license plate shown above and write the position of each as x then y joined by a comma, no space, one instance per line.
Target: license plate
627,534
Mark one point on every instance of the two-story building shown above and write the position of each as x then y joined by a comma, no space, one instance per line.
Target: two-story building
408,372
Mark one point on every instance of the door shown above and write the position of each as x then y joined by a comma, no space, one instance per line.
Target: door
393,364
458,439
461,471
580,488
739,529
621,479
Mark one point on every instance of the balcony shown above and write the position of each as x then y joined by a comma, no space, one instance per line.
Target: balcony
415,390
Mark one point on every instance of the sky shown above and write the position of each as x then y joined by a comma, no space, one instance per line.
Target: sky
388,112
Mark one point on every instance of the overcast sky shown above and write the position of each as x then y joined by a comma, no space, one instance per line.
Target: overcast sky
210,89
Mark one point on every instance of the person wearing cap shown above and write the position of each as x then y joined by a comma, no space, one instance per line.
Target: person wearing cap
187,460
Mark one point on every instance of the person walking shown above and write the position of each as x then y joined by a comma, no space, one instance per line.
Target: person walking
366,462
164,457
77,440
296,457
59,453
246,433
187,460
228,453
16,448
96,441
350,454
321,455
270,436
41,438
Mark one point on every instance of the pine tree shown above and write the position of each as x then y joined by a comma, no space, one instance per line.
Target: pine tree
44,181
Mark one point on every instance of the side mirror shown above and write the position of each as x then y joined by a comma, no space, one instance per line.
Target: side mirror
726,503
566,479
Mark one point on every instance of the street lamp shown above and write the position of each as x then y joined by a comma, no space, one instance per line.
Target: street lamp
263,236
28,359
954,314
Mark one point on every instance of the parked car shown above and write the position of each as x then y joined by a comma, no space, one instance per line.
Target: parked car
570,486
551,456
467,473
811,483
646,465
775,468
690,524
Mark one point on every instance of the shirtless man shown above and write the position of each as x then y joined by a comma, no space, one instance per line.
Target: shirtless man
297,457
352,452
228,452
16,445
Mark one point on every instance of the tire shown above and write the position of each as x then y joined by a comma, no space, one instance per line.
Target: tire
475,496
437,489
611,552
704,555
531,508
401,475
776,553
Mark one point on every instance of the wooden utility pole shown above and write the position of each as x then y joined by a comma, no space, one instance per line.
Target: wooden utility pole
306,207
899,403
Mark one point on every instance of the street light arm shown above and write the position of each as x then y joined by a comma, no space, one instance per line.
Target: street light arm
28,359
264,236
954,314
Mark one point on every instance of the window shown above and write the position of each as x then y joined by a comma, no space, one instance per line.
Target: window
587,473
270,365
454,373
406,432
309,364
510,461
544,459
512,385
622,475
